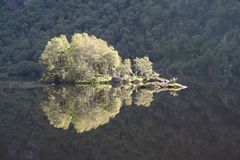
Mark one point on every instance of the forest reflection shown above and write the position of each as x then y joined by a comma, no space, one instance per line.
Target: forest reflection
88,107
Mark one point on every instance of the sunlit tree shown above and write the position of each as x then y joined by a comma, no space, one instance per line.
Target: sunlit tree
125,69
90,59
95,54
57,57
143,67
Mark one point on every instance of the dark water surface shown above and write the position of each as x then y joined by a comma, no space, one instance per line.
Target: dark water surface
69,123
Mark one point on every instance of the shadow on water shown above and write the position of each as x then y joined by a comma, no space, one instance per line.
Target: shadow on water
202,122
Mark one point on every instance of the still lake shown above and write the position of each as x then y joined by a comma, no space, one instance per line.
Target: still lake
104,123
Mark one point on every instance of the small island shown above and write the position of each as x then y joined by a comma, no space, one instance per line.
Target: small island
90,60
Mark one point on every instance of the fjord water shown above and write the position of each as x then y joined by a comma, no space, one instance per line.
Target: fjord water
201,123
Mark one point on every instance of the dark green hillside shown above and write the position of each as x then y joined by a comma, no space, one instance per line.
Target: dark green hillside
197,36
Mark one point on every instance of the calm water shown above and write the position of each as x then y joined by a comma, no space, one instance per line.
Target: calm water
104,123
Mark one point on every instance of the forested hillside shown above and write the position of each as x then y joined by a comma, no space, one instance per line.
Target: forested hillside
185,36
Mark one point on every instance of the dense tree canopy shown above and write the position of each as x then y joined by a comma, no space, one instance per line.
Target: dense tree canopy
57,56
89,59
143,67
197,36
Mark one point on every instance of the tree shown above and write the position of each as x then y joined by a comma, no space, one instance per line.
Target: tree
97,56
125,69
57,57
143,67
108,64
85,58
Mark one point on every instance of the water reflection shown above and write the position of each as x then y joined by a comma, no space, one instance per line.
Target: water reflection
88,107
201,123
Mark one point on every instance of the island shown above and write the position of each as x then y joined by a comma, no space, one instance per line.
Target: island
90,60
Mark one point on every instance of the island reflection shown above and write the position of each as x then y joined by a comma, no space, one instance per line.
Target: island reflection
87,107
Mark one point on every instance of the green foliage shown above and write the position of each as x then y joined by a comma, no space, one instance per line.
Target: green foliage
56,56
125,69
85,59
176,35
89,59
26,68
96,54
143,67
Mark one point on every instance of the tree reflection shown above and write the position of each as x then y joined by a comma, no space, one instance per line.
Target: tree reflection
88,107
144,97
